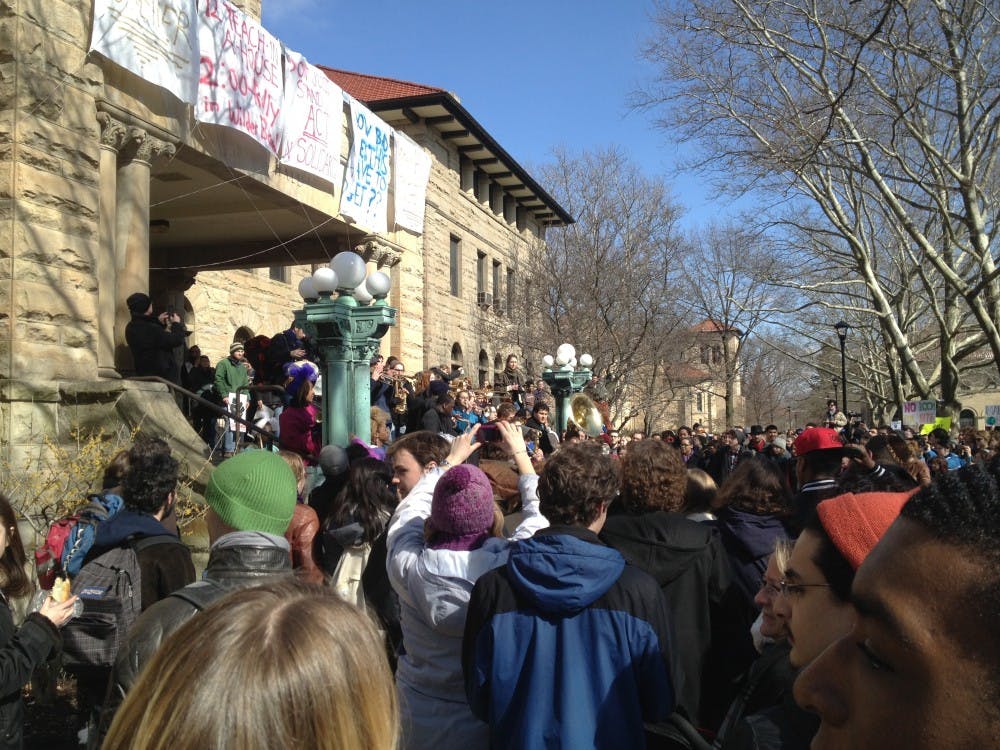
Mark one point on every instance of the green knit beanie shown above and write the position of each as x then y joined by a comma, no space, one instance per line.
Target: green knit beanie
253,491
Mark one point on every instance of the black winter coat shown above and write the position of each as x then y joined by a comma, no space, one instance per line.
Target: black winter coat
22,650
687,559
153,346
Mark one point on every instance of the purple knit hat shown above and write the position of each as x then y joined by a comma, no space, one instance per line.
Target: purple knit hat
462,508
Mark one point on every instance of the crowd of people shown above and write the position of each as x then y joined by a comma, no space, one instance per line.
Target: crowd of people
474,576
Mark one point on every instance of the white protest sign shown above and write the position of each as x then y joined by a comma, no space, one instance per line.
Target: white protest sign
238,405
411,168
240,82
155,39
365,197
926,412
910,414
313,113
993,415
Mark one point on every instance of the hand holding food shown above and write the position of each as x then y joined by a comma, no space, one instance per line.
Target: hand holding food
61,589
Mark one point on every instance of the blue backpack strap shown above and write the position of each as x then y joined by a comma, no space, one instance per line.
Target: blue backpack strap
99,509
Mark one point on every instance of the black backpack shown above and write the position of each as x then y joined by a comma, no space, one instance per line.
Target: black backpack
110,587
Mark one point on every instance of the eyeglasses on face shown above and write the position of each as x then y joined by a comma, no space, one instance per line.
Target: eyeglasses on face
771,589
797,589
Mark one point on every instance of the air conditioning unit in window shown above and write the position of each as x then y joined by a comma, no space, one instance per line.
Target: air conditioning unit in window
484,299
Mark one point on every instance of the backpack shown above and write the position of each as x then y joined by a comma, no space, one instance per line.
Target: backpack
110,587
346,578
69,539
255,350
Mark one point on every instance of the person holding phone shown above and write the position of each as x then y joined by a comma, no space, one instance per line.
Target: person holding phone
153,339
445,533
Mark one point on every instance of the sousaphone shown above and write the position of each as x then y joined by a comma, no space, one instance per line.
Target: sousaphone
585,415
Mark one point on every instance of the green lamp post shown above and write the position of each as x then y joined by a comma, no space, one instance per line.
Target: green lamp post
347,330
566,379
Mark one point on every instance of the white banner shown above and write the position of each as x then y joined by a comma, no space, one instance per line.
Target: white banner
411,168
240,85
313,112
366,183
155,39
926,412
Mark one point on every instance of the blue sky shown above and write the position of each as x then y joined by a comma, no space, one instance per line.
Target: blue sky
536,75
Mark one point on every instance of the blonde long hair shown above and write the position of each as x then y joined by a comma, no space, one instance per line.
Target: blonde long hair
281,665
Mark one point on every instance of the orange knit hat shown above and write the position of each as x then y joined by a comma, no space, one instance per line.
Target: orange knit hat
855,523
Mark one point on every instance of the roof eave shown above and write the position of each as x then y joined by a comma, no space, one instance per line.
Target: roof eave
470,123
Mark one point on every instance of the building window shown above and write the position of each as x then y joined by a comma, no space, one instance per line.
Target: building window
497,369
456,265
481,187
278,273
496,198
717,355
510,291
705,350
484,367
456,357
509,208
521,217
480,273
496,287
699,401
467,174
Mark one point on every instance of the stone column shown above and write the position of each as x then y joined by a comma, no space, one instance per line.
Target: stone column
132,228
113,134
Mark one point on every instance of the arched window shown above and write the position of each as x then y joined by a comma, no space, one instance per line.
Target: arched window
497,368
967,419
243,335
484,367
456,357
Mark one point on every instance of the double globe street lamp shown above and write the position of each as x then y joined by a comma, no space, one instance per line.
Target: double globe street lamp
567,376
347,328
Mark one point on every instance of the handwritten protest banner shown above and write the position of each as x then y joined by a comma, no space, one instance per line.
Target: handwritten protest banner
240,81
313,112
365,197
155,39
411,168
916,413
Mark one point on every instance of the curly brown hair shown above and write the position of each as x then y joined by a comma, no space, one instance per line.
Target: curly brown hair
425,447
576,480
653,478
756,486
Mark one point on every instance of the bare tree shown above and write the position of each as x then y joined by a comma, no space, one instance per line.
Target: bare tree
882,115
604,283
773,381
723,294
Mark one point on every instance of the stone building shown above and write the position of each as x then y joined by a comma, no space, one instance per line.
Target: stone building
109,186
695,385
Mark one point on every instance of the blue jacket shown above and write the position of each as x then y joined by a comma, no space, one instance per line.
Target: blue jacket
567,646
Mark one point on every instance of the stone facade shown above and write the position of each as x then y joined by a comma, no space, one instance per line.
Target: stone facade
108,187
